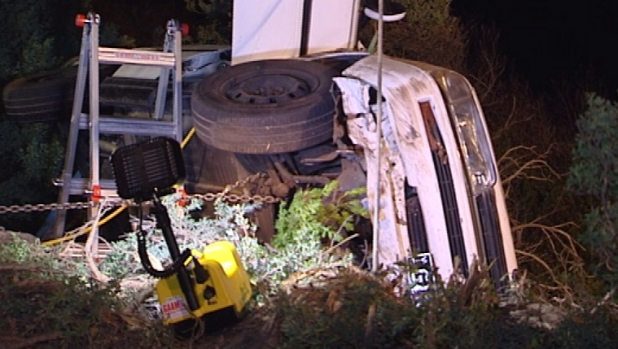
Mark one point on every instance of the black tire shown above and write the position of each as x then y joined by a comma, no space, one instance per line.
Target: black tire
40,98
44,97
265,107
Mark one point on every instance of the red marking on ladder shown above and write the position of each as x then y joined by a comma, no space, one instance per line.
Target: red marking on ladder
184,199
184,29
96,193
80,20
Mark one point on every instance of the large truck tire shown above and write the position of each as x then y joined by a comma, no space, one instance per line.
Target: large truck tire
41,97
265,107
45,97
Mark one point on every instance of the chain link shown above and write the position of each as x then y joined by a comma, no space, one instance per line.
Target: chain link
235,198
224,195
243,198
46,207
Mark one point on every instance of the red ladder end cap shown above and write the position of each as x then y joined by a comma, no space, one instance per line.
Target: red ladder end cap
184,29
80,20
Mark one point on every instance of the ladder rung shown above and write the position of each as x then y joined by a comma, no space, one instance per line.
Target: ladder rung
141,57
132,126
80,186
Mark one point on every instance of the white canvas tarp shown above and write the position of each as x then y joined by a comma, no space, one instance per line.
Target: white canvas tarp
269,29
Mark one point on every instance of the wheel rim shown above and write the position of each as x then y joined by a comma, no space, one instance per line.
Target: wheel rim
268,89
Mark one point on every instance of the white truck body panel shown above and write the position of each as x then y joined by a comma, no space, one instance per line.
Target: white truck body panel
406,155
272,29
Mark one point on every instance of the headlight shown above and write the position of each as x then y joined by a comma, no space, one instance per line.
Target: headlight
469,124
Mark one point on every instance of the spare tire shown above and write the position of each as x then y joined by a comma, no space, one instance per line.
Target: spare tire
45,96
265,107
41,97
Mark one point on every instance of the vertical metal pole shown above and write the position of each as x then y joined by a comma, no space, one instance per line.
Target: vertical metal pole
177,81
354,32
161,98
376,211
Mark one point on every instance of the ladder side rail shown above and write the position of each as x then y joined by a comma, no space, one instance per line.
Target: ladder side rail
161,97
94,130
169,48
177,81
93,122
71,148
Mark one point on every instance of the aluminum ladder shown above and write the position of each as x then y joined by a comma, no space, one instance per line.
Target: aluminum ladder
91,56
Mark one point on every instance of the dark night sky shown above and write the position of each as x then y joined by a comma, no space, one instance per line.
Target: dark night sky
552,38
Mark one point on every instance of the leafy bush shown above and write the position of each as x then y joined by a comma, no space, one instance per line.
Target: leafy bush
298,245
349,308
229,223
428,33
355,309
594,173
319,213
36,38
31,157
38,35
53,306
217,28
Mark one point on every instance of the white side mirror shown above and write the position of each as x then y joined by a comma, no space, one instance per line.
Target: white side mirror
393,11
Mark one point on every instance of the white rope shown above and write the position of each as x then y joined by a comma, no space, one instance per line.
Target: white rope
376,211
92,245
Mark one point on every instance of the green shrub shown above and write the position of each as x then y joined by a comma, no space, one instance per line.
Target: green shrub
217,27
52,305
428,33
594,174
38,36
31,157
355,309
314,215
229,223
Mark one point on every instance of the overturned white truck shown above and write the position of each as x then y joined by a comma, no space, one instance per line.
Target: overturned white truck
300,103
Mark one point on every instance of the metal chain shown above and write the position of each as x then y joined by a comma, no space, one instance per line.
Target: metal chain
244,198
46,207
224,195
235,198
